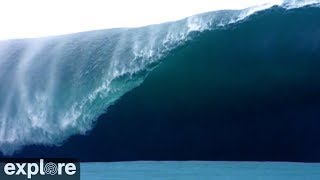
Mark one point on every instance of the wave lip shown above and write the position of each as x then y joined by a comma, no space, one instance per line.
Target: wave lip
56,87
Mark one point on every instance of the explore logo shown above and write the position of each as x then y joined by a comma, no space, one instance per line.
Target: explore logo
39,169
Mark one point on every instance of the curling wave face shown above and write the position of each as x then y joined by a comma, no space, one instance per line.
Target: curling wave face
55,87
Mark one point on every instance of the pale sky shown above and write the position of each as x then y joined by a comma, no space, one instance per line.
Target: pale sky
36,18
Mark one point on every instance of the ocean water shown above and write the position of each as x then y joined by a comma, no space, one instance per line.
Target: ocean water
234,85
195,170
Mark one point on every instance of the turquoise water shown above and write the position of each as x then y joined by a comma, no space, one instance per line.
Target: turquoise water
200,170
58,86
223,87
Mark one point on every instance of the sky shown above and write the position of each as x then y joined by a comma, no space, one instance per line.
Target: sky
37,18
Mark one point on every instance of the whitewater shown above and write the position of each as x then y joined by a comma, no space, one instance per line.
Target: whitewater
55,87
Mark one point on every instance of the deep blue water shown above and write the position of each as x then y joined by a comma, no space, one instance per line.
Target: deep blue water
246,91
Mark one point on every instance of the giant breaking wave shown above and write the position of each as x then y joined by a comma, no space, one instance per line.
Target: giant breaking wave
55,87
